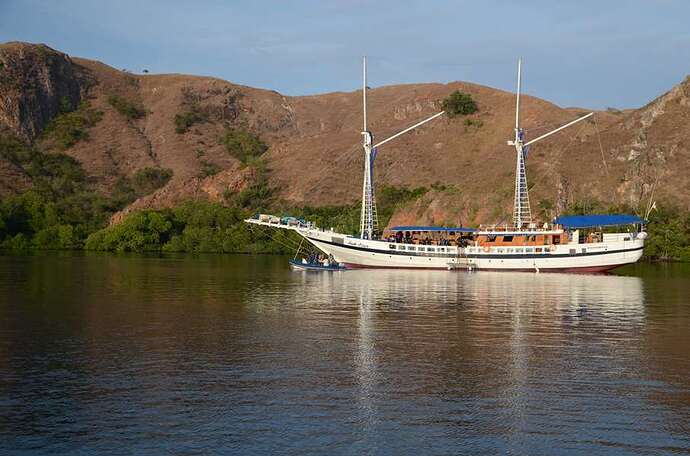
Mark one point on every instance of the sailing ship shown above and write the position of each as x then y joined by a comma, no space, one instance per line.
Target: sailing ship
589,243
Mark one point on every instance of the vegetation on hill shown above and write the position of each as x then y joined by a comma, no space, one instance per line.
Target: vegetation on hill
243,145
71,126
184,120
148,180
60,210
208,168
459,104
127,108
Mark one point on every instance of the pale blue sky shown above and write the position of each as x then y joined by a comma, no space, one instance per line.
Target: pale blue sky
590,53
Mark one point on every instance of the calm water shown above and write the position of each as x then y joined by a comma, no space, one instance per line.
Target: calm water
239,355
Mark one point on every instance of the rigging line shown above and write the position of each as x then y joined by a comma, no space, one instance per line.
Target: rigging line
560,155
265,231
299,247
551,125
601,148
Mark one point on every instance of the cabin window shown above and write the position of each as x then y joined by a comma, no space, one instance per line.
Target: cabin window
572,251
442,249
411,248
538,249
518,250
499,250
507,238
529,250
584,250
421,249
430,249
391,246
556,239
491,237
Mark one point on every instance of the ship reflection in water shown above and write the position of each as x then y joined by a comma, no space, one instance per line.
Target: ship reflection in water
239,355
517,362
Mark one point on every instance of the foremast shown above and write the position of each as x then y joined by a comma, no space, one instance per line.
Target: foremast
369,218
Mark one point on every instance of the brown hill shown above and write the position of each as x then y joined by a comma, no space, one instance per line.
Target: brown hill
314,154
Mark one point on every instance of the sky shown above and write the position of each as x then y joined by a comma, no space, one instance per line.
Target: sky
586,53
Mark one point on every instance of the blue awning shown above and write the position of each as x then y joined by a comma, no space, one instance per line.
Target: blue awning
589,221
432,228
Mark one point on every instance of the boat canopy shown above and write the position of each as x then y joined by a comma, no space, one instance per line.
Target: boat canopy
433,228
590,221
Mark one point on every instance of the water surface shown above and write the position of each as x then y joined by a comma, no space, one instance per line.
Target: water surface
239,355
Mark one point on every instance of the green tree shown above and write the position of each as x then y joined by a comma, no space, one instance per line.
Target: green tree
459,104
243,145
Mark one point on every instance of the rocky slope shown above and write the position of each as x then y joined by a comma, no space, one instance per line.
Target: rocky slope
314,155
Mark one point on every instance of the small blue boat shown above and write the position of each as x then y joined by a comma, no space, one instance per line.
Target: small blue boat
298,265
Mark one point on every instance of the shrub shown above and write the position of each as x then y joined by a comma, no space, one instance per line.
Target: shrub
459,103
391,196
473,123
127,108
68,128
208,169
243,145
186,119
148,180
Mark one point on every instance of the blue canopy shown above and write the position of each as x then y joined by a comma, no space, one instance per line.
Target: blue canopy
589,221
432,228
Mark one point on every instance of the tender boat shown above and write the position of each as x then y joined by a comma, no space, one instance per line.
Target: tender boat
299,265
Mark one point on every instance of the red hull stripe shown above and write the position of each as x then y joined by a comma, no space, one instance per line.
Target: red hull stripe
584,269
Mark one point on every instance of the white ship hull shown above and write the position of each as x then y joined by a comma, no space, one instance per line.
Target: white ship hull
616,250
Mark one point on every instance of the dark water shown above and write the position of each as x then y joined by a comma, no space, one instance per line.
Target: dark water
238,355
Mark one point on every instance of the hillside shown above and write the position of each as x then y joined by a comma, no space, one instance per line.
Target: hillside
314,156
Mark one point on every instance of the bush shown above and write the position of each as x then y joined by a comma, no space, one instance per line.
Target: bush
186,119
68,128
148,180
390,196
459,103
243,145
208,169
127,108
473,123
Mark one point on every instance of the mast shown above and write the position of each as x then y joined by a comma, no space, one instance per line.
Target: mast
522,215
369,219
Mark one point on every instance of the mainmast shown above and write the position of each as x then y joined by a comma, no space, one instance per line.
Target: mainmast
369,220
522,215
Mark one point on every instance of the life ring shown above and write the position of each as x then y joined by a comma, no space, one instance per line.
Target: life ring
552,248
486,249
